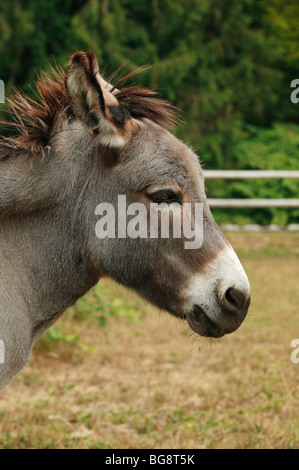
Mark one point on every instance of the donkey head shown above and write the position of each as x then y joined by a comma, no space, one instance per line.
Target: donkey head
139,160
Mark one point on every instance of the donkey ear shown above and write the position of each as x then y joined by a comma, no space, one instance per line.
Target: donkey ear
93,102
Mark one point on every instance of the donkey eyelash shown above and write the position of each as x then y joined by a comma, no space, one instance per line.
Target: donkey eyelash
164,196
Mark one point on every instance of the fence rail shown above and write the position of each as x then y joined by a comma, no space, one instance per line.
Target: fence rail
230,203
254,203
251,174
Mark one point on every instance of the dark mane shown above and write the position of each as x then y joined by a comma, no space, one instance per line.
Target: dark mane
33,120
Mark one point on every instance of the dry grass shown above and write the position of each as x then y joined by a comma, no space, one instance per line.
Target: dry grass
144,382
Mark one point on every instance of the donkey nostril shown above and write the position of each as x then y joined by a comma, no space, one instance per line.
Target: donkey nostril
234,299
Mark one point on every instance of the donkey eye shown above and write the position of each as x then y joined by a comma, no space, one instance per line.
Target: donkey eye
164,196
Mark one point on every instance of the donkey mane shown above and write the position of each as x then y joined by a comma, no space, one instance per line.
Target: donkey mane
34,120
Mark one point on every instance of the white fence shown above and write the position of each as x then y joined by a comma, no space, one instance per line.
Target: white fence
253,203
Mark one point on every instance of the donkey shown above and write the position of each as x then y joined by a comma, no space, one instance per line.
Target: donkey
82,142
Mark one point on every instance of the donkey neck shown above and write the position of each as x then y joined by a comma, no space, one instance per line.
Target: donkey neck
44,267
43,264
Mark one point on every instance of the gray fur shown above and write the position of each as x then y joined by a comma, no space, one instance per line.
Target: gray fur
49,253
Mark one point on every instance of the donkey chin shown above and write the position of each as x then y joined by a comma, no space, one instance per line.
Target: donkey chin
218,300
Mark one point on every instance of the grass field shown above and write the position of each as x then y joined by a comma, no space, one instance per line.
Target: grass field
140,379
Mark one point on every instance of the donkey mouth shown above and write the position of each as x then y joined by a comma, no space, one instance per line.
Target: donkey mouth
203,325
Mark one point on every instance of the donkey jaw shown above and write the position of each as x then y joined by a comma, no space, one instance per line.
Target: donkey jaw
218,300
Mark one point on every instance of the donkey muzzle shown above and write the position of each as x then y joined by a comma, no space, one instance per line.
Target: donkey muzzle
218,300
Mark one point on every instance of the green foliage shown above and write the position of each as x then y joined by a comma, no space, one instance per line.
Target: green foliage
56,335
98,306
265,149
227,64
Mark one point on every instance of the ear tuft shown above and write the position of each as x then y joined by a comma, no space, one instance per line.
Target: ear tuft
93,103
